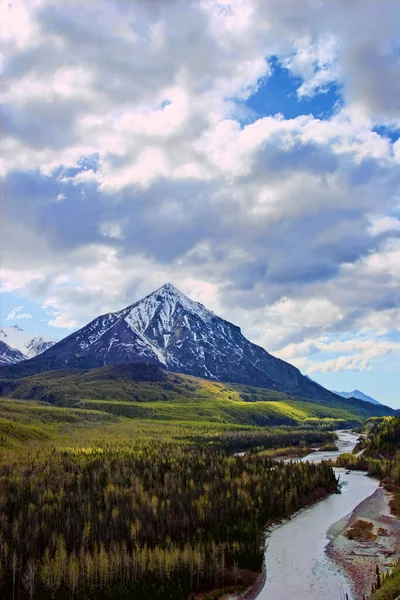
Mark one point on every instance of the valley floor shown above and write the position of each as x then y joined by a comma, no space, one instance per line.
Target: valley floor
98,506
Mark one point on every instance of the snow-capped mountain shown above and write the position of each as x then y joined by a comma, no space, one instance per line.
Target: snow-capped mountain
168,328
359,395
8,355
28,344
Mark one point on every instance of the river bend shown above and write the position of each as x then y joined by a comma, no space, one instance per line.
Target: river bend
296,564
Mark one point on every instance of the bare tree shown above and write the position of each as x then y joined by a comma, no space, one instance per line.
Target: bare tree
235,571
29,578
14,568
73,574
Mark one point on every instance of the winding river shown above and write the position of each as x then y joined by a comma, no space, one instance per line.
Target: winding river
296,564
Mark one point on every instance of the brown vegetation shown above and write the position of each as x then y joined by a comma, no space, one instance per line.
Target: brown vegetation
361,530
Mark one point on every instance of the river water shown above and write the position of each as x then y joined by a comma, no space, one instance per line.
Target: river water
296,564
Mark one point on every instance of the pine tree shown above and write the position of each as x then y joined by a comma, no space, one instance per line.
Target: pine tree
378,578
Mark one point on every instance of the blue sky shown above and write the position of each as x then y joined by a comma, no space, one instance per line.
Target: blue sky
248,153
277,93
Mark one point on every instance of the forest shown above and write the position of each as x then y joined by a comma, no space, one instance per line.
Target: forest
381,453
146,519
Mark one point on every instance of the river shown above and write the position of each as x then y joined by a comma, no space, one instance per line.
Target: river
296,564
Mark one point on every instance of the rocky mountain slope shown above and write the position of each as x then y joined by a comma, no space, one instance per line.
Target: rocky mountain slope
8,355
169,329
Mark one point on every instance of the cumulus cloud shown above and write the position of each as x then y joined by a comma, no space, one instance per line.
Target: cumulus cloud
354,357
354,354
130,159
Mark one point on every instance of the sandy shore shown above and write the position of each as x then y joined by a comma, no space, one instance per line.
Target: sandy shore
360,558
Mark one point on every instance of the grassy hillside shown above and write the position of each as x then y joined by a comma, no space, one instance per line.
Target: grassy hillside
148,392
23,421
28,423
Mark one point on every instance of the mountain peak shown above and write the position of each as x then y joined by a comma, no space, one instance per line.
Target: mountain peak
168,287
160,313
167,300
170,291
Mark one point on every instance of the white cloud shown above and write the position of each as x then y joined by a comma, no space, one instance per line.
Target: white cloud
111,230
16,15
357,353
13,313
315,63
285,226
381,224
16,313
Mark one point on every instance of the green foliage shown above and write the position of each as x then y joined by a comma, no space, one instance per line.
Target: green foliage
381,450
381,469
28,412
262,439
19,432
22,422
389,584
384,439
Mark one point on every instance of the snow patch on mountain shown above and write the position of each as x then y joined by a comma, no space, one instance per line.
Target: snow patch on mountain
95,330
162,307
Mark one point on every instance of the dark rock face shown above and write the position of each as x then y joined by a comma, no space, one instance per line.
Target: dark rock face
169,329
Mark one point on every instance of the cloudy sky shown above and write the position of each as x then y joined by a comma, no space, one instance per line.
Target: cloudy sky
246,151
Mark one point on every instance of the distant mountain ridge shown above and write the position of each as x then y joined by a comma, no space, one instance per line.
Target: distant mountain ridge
8,355
23,344
359,395
169,329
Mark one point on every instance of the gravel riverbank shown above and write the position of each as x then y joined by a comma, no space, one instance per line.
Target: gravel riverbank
360,558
